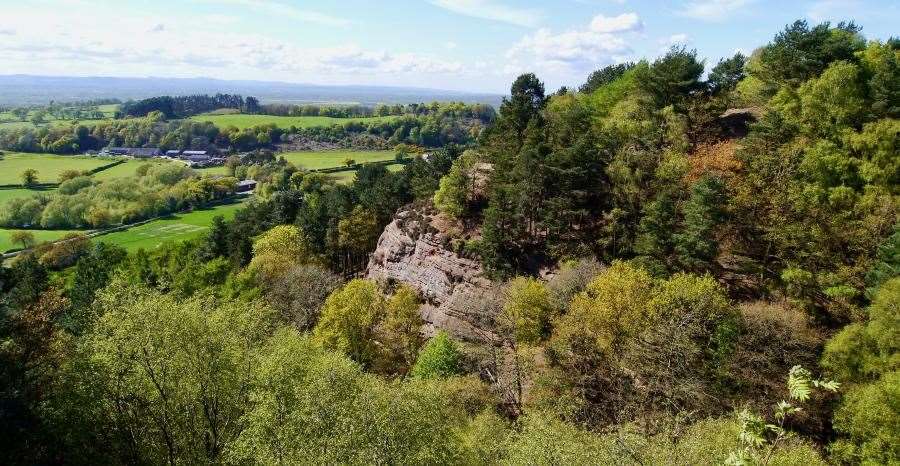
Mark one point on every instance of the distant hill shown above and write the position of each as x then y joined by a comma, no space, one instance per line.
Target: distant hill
29,89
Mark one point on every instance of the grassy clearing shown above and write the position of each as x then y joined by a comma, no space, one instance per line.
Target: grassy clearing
347,177
334,158
7,194
178,227
246,121
49,166
39,235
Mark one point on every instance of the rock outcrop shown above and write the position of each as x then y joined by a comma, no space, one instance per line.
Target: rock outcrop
414,250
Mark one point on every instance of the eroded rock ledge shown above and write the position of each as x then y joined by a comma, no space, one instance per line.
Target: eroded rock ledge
414,250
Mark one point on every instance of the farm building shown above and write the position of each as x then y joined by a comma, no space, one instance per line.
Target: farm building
145,152
246,186
136,152
173,153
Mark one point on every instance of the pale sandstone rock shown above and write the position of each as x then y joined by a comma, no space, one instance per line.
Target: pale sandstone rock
412,250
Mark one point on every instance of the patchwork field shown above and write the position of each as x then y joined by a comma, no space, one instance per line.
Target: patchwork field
334,158
245,121
177,227
49,166
39,235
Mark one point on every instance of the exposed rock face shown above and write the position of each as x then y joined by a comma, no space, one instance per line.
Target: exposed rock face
458,297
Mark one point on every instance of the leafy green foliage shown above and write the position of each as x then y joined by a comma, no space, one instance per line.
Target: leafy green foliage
439,358
528,310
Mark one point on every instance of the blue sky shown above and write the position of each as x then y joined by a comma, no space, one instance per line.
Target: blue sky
477,45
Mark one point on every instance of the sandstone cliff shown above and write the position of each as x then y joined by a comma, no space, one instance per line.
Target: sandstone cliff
414,250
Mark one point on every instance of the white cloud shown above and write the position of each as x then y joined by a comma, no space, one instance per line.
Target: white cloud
835,10
574,52
73,45
622,23
450,45
271,7
489,9
674,40
713,10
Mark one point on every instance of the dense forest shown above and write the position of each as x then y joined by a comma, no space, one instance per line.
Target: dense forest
686,268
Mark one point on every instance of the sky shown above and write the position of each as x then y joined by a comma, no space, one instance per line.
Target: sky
466,45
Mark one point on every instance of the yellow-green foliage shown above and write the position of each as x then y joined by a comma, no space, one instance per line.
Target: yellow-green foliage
277,251
613,307
170,371
866,356
348,319
455,187
528,310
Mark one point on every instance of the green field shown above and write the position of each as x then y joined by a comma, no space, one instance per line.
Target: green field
10,121
126,169
348,176
49,166
7,194
178,227
39,235
334,158
246,121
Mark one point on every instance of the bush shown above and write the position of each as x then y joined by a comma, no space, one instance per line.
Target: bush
440,358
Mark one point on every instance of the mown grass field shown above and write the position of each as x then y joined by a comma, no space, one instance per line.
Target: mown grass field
334,158
178,227
246,121
49,166
7,194
39,235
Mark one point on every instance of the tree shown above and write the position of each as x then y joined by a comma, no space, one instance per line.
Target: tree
315,404
439,358
864,356
91,273
21,113
400,331
39,117
25,238
348,320
725,76
29,177
799,52
299,295
455,188
695,245
528,310
185,365
277,251
604,76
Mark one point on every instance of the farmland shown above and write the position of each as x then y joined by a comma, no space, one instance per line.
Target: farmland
15,193
246,121
178,227
39,236
334,158
49,166
10,121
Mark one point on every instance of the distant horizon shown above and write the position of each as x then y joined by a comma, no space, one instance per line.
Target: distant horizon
457,45
260,81
35,89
